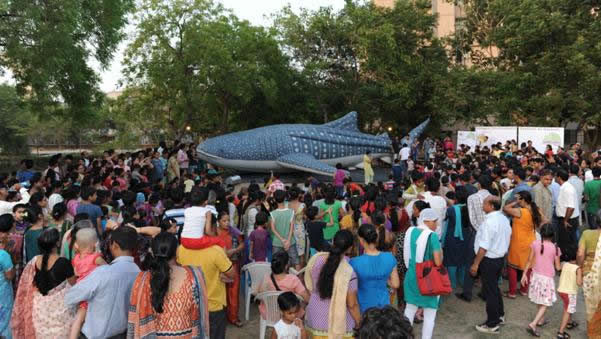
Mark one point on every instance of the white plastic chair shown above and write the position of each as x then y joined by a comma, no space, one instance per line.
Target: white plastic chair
272,310
293,271
253,276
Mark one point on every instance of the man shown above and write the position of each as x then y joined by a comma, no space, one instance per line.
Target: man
465,180
158,171
519,178
477,217
7,207
578,185
25,173
542,194
491,245
107,289
592,193
87,205
404,156
566,220
437,203
216,266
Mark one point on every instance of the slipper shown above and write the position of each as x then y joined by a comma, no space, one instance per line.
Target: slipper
533,332
572,325
564,335
510,296
545,322
418,321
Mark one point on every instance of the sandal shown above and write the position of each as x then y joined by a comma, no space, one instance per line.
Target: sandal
533,332
510,296
564,335
237,323
572,325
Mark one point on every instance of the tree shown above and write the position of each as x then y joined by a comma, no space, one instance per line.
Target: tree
549,49
12,111
204,68
384,63
48,47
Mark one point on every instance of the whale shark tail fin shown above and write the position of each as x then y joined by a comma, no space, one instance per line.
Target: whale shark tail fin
417,131
347,123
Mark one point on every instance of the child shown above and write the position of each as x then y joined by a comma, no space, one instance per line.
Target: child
544,260
569,281
19,213
289,326
315,231
389,185
198,231
259,238
85,261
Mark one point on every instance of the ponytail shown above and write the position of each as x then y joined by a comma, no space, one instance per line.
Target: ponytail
394,220
164,248
159,282
343,240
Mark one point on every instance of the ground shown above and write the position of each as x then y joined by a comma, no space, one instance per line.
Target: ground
456,320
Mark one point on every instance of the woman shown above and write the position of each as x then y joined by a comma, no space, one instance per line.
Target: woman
331,209
299,226
59,221
182,159
368,171
385,240
526,219
40,310
351,222
333,287
173,170
432,251
234,245
456,235
376,271
7,274
169,301
280,280
589,258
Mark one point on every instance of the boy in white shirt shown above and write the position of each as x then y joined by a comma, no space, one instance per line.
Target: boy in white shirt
289,326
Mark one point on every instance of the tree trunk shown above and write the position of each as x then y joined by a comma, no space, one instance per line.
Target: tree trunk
225,123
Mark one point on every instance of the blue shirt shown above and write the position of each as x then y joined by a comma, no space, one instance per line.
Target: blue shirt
158,170
523,186
107,290
93,211
373,272
24,176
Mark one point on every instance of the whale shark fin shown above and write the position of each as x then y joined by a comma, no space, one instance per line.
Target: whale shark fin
305,162
347,122
383,136
417,131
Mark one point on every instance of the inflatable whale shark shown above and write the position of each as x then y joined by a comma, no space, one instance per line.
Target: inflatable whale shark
297,147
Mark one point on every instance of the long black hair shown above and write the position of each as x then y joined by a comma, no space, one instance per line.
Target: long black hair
546,233
369,233
343,240
395,225
47,243
355,205
330,195
379,219
164,247
527,197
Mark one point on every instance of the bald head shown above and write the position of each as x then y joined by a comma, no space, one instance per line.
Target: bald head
491,204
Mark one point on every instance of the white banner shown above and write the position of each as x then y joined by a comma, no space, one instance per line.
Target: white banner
487,136
467,138
542,136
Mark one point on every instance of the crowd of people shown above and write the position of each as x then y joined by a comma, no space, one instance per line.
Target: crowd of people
152,243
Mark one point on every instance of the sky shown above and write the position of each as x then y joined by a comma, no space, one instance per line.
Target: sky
256,12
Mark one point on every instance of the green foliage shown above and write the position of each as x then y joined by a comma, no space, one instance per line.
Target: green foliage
47,45
12,109
548,49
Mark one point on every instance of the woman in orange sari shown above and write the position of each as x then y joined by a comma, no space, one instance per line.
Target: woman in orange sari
526,218
589,258
169,301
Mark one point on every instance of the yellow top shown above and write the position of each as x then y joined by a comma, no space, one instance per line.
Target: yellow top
567,279
213,261
367,165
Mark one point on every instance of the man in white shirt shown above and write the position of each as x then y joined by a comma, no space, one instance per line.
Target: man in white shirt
404,156
7,207
477,216
490,246
437,203
567,212
578,184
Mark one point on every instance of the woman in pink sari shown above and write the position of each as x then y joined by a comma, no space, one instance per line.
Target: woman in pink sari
39,309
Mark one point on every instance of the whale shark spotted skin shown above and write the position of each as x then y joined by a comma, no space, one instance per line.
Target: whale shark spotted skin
295,147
